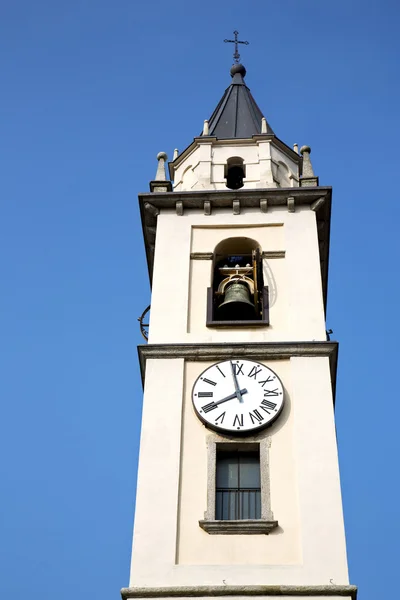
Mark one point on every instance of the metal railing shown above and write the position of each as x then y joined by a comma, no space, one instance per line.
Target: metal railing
234,504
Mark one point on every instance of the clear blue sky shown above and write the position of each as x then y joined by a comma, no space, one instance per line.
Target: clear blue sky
91,91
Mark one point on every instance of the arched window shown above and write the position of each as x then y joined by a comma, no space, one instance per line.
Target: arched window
234,173
237,295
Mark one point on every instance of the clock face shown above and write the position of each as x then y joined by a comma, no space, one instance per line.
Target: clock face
238,396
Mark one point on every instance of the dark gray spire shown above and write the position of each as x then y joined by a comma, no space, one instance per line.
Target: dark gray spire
237,114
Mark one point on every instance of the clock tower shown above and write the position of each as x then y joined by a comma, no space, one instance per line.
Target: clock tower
238,490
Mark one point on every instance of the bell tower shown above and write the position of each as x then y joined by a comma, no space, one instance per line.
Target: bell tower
238,490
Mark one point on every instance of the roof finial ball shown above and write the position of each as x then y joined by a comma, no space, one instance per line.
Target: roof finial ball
238,68
161,175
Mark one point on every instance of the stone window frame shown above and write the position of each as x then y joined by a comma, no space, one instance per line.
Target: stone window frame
267,523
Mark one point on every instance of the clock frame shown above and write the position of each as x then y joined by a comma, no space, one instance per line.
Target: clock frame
238,396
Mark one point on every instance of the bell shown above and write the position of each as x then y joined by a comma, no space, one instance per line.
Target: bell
237,305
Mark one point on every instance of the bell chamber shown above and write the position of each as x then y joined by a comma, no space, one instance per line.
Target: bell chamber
237,295
237,304
236,287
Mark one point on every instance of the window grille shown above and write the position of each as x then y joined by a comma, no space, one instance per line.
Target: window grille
238,486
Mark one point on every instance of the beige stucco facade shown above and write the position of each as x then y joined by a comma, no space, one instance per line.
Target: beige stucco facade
308,547
202,165
178,309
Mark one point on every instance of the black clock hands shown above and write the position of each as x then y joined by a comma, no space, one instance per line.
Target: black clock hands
238,391
230,397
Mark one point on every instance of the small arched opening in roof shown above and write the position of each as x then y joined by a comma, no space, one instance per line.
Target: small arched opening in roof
235,172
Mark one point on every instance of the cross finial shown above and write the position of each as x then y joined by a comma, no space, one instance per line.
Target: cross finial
236,55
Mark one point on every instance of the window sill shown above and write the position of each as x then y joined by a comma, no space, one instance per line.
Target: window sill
259,323
240,527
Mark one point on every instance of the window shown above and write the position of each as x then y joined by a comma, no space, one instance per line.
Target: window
235,172
238,295
238,496
238,486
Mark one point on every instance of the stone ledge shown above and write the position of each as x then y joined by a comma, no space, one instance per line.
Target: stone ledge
349,591
240,527
250,350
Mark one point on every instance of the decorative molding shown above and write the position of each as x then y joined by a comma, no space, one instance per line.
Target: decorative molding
206,591
265,254
207,207
290,204
250,350
179,208
153,210
317,204
242,527
160,186
264,206
309,182
274,254
201,255
236,207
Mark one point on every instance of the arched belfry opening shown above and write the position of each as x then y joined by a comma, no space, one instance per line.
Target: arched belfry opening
237,295
235,172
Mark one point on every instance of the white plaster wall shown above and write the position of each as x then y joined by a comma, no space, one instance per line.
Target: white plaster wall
169,546
195,546
318,478
203,167
178,306
154,538
278,156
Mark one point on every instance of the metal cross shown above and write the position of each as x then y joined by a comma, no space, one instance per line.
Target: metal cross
236,55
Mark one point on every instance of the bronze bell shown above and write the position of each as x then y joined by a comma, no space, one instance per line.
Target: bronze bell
237,305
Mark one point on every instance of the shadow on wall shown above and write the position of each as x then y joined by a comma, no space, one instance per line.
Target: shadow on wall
269,280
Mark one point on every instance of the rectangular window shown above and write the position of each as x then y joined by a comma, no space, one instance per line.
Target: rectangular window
238,486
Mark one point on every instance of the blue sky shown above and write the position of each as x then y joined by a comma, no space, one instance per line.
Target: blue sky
91,91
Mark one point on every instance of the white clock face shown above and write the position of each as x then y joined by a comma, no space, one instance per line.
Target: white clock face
238,396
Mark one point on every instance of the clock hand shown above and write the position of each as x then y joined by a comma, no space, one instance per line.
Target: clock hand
243,391
238,394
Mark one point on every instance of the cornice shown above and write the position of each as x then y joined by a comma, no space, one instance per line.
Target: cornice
204,591
249,350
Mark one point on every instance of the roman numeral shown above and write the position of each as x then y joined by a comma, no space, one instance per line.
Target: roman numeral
271,392
268,380
238,369
256,416
268,405
205,394
222,373
208,381
209,407
221,416
254,372
238,421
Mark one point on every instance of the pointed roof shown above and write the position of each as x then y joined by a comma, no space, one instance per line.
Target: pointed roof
237,114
